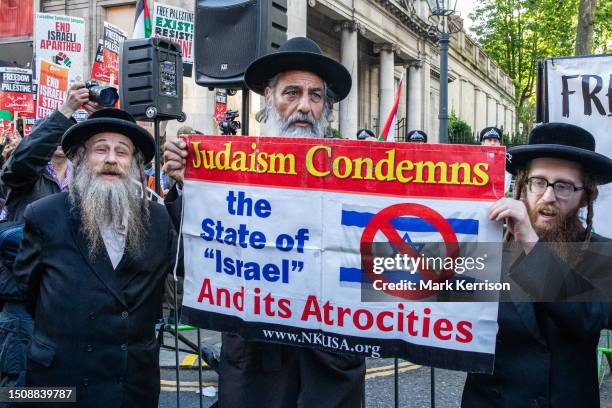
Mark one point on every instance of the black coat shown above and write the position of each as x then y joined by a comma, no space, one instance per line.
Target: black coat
94,326
24,175
545,352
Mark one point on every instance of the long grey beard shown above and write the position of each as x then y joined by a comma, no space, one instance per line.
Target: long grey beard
275,125
105,202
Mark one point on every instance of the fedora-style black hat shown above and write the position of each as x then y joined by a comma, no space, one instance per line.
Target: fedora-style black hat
561,141
109,120
299,54
417,136
490,132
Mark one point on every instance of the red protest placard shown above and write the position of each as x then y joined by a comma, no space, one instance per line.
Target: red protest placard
106,65
52,88
16,91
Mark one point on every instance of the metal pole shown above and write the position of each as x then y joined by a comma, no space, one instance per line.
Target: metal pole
176,319
407,105
396,384
157,158
200,369
443,115
245,111
432,381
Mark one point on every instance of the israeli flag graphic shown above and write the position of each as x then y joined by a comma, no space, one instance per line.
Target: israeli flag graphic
413,230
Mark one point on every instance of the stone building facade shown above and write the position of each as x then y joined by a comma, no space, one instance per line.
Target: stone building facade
377,40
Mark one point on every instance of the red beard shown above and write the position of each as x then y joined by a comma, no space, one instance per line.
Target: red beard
561,233
565,228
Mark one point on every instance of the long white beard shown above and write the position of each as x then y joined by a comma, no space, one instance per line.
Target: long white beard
105,202
275,125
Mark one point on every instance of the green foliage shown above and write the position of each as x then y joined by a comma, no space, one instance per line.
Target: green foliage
513,140
333,133
459,132
519,33
602,28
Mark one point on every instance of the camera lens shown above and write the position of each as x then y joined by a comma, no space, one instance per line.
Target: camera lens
107,96
104,95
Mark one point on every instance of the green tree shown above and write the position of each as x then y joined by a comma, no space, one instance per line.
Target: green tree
584,31
519,33
459,132
602,29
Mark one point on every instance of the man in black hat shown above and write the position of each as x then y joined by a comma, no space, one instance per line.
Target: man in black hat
300,85
92,265
546,351
417,136
490,136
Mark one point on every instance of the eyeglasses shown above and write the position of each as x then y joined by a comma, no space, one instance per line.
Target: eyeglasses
562,189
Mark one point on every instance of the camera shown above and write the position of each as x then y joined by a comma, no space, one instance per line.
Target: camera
229,126
104,95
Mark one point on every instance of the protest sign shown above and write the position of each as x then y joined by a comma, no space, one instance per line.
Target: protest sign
220,105
60,40
16,91
176,25
274,228
52,88
106,64
579,91
28,124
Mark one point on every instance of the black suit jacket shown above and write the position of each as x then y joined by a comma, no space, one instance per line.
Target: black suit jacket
545,352
94,325
25,175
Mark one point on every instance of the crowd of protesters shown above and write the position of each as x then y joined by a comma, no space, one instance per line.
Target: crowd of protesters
83,293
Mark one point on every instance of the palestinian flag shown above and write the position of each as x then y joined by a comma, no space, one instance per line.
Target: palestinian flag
142,20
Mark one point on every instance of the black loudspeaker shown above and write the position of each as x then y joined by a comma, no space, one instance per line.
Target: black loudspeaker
151,79
230,34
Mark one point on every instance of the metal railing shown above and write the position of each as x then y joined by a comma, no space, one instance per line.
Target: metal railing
509,140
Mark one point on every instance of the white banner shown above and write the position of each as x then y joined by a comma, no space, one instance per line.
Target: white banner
580,93
274,237
176,25
60,40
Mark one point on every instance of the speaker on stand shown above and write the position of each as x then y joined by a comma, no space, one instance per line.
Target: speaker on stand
229,35
151,86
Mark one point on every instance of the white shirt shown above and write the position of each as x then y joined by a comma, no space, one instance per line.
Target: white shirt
114,240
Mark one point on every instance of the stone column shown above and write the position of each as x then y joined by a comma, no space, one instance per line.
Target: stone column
387,82
349,55
478,110
415,97
498,118
374,97
491,111
366,98
296,18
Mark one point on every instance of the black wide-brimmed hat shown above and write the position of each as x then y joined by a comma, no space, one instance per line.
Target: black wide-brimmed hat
109,120
299,54
561,141
490,132
417,136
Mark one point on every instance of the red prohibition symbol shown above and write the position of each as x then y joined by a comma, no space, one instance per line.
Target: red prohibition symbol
382,222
